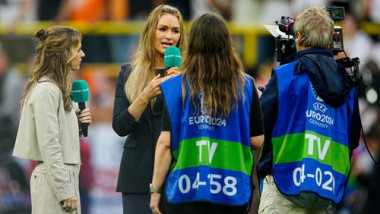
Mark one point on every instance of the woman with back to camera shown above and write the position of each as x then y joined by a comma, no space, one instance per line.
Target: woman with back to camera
49,128
211,120
138,105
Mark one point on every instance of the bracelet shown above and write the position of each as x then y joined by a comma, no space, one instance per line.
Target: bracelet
154,190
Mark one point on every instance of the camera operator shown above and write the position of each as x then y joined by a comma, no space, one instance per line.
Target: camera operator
312,124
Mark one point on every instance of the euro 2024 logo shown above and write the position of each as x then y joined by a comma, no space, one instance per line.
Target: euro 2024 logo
318,106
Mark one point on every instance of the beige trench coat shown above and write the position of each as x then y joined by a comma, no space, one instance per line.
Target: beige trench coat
50,135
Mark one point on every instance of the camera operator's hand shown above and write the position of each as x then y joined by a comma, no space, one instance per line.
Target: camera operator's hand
340,55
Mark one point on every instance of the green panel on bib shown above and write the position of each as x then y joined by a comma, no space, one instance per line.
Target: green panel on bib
295,147
215,153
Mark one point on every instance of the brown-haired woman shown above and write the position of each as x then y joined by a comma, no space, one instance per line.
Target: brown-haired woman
212,119
49,129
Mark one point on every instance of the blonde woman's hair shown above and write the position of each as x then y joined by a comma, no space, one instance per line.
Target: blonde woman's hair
316,28
57,47
212,67
143,62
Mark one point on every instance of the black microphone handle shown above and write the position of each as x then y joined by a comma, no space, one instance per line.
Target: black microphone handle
82,105
84,126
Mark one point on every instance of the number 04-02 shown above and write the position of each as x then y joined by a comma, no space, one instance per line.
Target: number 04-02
299,177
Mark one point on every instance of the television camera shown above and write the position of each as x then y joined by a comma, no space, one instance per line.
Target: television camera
286,45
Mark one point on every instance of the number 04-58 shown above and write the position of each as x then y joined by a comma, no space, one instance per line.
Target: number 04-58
217,184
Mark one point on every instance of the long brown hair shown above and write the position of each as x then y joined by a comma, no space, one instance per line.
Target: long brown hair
212,66
143,61
57,47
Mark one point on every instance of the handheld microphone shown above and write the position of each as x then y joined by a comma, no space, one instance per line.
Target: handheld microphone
80,94
172,57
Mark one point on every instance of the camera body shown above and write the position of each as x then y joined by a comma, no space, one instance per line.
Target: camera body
286,45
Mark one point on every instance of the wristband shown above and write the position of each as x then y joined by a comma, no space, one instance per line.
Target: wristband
154,190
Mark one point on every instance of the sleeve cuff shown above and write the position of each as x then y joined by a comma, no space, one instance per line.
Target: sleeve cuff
131,120
65,193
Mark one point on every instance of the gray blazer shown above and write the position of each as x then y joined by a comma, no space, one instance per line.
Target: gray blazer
47,133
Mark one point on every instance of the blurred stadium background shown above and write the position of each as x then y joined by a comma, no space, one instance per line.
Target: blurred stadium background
111,31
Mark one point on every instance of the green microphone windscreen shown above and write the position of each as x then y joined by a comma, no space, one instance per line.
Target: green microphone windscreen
172,57
79,91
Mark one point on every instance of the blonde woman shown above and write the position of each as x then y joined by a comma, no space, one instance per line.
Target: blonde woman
138,105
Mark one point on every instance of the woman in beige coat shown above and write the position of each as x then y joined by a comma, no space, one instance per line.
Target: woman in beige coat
48,130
